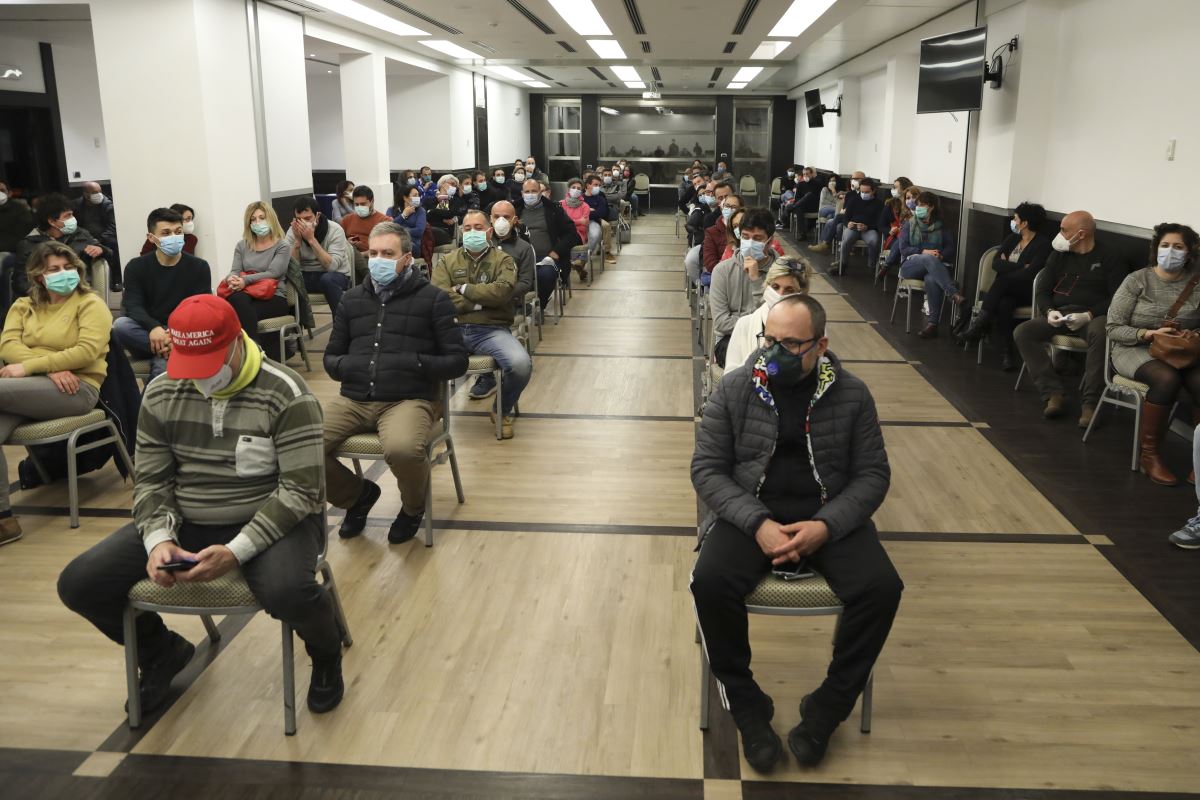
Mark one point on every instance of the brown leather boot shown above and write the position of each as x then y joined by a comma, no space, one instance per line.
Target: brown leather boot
1155,419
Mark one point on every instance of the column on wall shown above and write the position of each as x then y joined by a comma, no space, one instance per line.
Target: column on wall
365,123
285,100
899,107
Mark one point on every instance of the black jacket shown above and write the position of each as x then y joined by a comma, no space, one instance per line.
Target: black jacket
76,241
398,350
562,231
1081,281
1032,259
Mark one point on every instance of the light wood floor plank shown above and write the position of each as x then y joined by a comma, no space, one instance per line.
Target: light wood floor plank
901,394
616,337
629,304
859,341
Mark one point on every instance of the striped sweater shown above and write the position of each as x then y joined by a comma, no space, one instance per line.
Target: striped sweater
255,459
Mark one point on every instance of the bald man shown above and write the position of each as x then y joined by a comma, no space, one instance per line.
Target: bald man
790,462
827,232
1073,297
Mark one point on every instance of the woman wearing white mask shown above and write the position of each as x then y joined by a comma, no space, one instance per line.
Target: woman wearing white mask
53,346
446,211
189,231
262,254
343,200
1159,301
786,276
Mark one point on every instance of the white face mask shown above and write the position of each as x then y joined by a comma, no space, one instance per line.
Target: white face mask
189,227
3,198
210,386
771,297
1061,243
451,190
96,198
854,183
501,226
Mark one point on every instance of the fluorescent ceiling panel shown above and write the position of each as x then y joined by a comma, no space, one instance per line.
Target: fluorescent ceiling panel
369,16
450,49
736,85
746,74
509,73
607,48
635,84
582,16
797,19
608,110
626,73
537,84
768,50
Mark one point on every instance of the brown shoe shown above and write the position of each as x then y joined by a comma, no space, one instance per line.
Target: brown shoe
1085,416
1054,406
10,530
818,248
506,424
609,258
1155,419
930,331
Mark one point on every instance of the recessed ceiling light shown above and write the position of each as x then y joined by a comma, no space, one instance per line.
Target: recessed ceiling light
607,48
449,48
626,73
509,73
369,16
736,85
608,110
799,17
328,72
537,84
582,16
746,74
635,84
768,50
312,55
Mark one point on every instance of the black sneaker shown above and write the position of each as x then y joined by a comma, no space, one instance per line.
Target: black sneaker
157,675
356,515
809,740
326,688
760,743
404,528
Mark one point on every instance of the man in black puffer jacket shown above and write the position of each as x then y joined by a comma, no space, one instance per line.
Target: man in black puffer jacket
790,461
395,339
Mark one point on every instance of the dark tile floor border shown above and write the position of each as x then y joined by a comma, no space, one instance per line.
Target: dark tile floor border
763,790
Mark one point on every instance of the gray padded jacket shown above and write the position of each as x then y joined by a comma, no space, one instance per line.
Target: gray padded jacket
737,439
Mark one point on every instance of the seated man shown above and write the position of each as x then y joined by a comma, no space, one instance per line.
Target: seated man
394,341
829,229
698,210
552,234
155,285
737,282
505,226
600,214
774,500
358,227
229,472
480,280
55,221
863,220
15,219
95,213
321,250
1082,277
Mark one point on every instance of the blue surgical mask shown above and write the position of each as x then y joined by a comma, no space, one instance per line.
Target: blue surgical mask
171,245
260,228
607,179
482,186
865,195
1171,260
363,211
70,226
63,282
412,181
922,212
753,249
383,270
910,203
475,240
451,190
726,213
595,191
532,199
467,188
499,179
574,193
1012,224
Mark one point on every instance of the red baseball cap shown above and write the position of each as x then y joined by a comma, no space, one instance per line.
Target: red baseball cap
201,327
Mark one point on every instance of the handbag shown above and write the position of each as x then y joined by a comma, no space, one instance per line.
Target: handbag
1179,349
260,290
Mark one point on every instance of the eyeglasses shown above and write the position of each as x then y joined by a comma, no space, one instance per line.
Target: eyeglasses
1059,288
794,346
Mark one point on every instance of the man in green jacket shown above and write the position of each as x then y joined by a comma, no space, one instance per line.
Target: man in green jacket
230,474
480,279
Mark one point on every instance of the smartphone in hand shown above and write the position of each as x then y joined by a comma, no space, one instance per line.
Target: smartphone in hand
182,565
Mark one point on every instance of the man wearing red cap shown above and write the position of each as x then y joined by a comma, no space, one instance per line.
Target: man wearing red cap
229,473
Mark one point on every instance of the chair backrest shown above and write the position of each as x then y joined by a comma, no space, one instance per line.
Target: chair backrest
641,182
292,299
776,186
1039,279
747,185
983,281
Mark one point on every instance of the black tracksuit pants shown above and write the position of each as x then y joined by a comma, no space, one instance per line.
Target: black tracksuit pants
860,573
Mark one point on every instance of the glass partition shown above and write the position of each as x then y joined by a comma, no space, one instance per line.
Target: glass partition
659,137
563,142
752,147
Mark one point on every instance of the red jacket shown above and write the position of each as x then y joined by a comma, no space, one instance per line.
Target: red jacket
715,239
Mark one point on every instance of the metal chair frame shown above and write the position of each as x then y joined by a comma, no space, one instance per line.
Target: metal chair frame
1114,395
1081,347
290,330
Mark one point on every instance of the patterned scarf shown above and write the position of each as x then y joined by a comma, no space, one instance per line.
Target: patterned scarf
927,236
573,202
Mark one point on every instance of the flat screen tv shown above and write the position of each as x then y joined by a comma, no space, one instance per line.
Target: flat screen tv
952,68
812,102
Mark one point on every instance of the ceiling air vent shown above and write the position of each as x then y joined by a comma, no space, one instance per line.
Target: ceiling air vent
716,74
410,10
645,46
635,19
541,75
529,15
744,18
566,46
598,74
729,47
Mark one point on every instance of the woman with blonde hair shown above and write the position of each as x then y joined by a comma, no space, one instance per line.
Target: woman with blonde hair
262,254
53,347
786,276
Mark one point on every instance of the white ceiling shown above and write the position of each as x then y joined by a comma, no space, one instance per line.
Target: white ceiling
686,37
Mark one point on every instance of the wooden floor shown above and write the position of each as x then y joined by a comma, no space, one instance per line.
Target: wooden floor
544,646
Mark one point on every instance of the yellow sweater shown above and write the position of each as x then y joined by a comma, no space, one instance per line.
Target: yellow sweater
72,335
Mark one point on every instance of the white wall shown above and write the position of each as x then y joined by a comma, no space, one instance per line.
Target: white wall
325,122
22,52
285,102
460,132
819,147
508,131
870,152
414,101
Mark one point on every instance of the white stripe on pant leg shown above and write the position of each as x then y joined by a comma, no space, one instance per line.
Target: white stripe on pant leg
704,644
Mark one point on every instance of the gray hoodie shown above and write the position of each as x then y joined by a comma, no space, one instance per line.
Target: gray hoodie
732,293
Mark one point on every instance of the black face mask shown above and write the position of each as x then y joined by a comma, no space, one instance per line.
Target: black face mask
784,368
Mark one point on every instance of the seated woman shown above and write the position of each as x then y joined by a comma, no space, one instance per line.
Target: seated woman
1139,310
900,211
786,276
828,202
262,254
407,211
446,211
1022,255
926,252
54,345
580,212
343,200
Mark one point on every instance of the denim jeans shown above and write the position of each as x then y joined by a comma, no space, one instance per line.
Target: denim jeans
830,228
331,284
547,279
938,282
826,212
510,355
136,339
849,237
